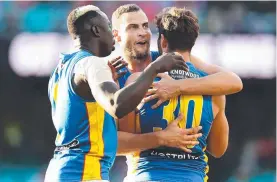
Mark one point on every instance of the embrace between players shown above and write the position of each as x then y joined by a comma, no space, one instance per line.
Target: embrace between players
162,109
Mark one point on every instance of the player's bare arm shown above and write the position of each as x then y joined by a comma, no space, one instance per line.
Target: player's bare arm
172,136
219,134
120,102
219,82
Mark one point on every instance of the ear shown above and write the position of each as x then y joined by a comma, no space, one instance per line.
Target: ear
95,30
164,43
116,35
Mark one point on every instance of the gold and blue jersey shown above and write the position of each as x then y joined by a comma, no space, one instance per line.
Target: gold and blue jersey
172,164
86,139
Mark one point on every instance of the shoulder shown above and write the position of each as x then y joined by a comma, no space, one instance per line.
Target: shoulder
92,65
92,61
195,70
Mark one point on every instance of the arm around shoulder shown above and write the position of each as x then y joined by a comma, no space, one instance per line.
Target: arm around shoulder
231,82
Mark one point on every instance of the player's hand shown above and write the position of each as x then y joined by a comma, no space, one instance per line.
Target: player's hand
116,64
169,61
162,90
174,136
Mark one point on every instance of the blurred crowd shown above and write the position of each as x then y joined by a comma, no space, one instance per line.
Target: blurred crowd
214,17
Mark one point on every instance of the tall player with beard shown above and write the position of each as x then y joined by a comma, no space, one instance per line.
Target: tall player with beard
131,31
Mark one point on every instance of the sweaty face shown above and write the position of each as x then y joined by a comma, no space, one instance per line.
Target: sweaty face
106,38
135,35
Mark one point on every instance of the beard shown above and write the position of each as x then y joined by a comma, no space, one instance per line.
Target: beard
139,56
134,54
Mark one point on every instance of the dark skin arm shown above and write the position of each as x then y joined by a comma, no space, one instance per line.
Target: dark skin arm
119,102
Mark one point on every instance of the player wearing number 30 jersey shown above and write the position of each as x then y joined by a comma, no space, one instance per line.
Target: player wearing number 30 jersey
165,163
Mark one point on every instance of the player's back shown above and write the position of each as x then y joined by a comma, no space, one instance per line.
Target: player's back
86,134
172,164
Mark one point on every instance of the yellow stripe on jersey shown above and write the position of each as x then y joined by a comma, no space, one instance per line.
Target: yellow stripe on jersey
55,97
168,111
207,167
92,167
55,94
135,156
206,178
58,137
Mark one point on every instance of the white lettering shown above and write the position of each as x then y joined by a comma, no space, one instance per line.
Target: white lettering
174,155
161,154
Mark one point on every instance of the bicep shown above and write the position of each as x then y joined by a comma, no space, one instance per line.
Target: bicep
220,124
219,133
101,83
219,103
103,93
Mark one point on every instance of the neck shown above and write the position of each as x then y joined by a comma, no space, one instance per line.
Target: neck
186,55
135,65
86,45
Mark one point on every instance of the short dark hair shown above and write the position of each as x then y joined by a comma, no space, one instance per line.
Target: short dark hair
179,26
78,17
127,8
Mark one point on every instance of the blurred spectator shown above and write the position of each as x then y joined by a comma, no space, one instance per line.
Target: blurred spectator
215,17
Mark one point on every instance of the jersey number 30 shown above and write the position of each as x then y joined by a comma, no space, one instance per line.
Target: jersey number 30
192,116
